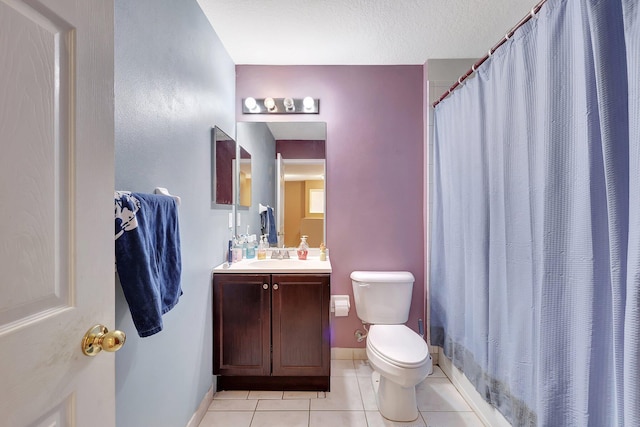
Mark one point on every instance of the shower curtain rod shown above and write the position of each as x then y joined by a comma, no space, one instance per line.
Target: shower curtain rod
475,66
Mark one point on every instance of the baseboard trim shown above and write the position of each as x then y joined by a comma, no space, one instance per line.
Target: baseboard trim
197,416
345,353
489,415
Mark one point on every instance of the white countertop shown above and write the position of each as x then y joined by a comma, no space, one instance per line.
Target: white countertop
293,265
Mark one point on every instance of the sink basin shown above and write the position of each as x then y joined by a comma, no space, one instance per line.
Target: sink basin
292,265
276,263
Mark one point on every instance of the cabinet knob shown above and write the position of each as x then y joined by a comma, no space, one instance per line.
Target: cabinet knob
275,286
265,286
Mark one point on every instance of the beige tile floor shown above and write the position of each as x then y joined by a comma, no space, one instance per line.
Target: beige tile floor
350,403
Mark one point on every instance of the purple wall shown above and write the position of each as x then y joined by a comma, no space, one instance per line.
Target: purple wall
301,149
375,186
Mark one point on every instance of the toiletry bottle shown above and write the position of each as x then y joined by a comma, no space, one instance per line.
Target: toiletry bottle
233,249
237,250
230,247
303,249
251,247
323,252
245,244
244,239
262,249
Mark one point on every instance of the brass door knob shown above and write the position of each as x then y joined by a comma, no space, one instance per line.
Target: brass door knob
99,338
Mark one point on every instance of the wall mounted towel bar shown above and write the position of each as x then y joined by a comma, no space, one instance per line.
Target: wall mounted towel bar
165,192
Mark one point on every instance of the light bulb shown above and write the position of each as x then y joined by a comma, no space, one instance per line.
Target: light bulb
308,103
288,104
250,103
270,104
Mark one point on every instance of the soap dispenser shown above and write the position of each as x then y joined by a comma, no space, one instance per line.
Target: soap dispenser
303,248
262,248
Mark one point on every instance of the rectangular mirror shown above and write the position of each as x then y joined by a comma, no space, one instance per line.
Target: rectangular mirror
288,174
223,157
244,179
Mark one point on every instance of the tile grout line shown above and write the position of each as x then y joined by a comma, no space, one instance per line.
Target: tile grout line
346,372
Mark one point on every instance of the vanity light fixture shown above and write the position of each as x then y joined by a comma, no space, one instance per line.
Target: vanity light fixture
308,105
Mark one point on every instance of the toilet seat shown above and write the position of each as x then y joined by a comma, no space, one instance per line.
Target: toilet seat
398,345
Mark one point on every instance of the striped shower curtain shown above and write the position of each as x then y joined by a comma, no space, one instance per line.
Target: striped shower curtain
535,265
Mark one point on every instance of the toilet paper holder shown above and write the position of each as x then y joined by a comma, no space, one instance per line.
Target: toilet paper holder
340,305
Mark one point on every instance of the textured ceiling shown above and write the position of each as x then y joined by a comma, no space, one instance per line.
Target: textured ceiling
363,32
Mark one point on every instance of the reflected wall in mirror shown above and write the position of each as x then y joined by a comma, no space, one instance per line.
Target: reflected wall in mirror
288,160
223,156
244,179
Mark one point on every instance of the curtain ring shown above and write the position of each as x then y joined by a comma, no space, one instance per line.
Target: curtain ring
473,68
506,37
460,80
490,53
533,12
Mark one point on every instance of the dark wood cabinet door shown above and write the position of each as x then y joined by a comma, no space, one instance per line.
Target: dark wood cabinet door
300,325
241,324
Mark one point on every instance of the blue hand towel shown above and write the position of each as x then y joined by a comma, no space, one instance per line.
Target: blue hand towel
148,257
268,225
272,237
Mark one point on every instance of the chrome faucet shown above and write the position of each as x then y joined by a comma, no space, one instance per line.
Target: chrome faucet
278,253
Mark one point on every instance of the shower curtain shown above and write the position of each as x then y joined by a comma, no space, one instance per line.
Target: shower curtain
535,265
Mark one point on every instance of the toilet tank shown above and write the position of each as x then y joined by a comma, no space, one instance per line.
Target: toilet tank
382,297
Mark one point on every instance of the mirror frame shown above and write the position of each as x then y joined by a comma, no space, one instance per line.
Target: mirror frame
216,132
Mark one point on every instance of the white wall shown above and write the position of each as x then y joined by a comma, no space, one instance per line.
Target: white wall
173,82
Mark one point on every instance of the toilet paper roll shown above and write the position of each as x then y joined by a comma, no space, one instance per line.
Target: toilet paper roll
342,308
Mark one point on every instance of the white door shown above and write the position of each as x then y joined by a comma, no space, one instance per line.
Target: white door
56,211
280,199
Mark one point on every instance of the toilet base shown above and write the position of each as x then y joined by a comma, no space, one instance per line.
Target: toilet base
395,403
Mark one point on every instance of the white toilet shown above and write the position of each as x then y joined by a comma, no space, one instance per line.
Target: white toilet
399,356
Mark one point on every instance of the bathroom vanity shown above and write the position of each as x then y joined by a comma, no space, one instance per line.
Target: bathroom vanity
271,325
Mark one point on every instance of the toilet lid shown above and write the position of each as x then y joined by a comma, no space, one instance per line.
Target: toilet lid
398,345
